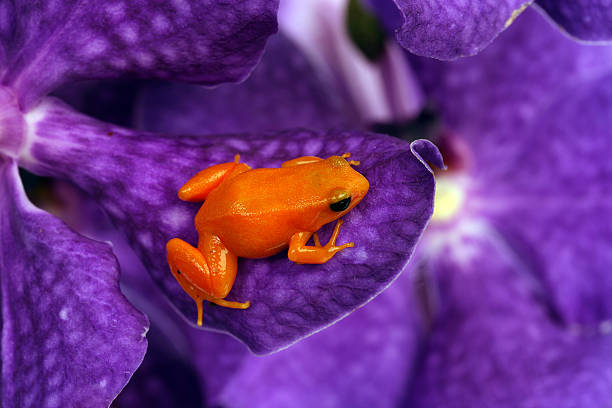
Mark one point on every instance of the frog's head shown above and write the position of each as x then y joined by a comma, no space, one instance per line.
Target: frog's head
343,187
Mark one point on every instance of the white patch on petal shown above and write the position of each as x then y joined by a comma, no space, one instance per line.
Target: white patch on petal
238,144
175,217
160,23
359,255
118,63
168,53
144,59
269,149
145,239
32,118
95,47
181,6
115,11
460,243
313,147
129,33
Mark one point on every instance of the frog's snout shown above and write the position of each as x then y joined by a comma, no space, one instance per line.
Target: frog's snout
360,188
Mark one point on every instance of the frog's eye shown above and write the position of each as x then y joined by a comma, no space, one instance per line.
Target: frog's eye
340,205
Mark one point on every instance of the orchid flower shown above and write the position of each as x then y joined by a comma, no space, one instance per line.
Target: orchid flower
69,337
506,302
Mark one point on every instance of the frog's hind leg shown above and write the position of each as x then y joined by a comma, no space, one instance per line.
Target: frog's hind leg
197,188
190,267
223,265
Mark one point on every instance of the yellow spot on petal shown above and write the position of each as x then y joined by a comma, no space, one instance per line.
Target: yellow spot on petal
448,199
515,14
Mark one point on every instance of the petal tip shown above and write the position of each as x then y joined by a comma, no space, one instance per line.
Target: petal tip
427,153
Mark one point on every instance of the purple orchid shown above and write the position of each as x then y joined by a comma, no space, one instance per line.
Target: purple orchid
449,29
506,302
69,336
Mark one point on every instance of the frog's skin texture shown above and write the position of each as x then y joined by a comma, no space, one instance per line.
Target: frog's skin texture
258,213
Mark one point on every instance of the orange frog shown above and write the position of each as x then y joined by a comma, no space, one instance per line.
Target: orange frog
258,213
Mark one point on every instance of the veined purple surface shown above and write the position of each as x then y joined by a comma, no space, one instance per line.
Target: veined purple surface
135,177
69,337
49,43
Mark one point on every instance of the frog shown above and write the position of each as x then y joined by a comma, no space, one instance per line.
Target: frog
257,213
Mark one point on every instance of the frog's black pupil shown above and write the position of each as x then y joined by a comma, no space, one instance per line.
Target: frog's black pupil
340,205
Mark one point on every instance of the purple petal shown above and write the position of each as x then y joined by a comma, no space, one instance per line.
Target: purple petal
135,177
165,378
195,41
6,31
365,360
108,100
272,98
539,134
449,29
69,337
495,345
427,152
584,19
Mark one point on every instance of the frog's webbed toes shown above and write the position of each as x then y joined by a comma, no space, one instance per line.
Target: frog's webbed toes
230,304
351,162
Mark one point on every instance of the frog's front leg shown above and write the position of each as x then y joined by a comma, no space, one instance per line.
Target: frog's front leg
205,273
299,252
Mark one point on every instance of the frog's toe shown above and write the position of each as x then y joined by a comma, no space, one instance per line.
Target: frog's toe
230,304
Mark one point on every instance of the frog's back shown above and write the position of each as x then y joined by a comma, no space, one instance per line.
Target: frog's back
255,213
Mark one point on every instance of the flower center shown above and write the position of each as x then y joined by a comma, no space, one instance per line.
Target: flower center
449,198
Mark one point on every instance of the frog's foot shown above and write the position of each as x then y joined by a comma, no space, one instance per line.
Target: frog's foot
299,252
351,162
331,244
204,278
232,305
189,268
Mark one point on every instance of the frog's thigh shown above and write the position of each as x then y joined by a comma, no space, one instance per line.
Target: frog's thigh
198,187
189,267
222,263
301,160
